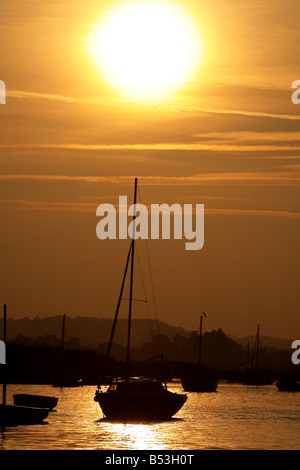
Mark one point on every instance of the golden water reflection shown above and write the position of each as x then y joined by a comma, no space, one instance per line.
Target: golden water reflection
236,417
136,436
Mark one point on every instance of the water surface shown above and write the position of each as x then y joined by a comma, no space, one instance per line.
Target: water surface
236,417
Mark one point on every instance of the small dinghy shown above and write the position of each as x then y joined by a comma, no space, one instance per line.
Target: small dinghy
12,415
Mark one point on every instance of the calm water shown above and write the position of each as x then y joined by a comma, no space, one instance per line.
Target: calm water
236,417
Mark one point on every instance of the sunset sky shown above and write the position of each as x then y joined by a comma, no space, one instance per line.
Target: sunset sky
225,134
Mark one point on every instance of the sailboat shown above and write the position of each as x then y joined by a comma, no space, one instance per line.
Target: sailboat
200,382
35,401
288,385
135,398
62,378
11,415
252,375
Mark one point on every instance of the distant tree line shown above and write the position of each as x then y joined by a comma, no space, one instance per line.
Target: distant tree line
37,360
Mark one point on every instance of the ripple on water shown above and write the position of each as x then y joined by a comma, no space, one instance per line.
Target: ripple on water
236,417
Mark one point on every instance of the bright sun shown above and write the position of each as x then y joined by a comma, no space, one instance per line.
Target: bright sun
146,49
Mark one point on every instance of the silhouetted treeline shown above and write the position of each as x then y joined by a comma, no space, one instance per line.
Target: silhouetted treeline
94,331
37,360
90,330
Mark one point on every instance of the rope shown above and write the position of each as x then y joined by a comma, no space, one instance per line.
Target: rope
152,288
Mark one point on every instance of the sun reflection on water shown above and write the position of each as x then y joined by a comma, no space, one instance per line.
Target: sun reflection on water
236,417
137,436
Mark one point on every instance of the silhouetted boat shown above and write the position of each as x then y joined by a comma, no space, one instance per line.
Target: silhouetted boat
138,398
254,376
64,380
37,401
257,379
62,377
135,398
201,381
11,415
288,385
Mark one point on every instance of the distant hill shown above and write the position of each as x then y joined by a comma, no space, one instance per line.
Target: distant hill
265,342
38,340
91,331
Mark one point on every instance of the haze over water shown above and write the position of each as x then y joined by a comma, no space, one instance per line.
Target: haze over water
236,417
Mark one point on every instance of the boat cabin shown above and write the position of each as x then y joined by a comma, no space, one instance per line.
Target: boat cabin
136,385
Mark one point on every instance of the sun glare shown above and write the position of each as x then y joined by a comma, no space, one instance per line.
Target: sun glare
146,49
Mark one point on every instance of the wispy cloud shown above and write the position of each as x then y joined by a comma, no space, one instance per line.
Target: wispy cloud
47,205
19,94
48,96
91,207
164,146
250,136
236,112
280,178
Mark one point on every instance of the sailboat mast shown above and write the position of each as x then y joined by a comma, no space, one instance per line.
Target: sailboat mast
200,343
118,305
248,356
257,347
131,273
63,335
4,371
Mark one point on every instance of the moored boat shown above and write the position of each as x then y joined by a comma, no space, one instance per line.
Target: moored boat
135,398
252,375
202,381
12,415
138,398
288,385
62,377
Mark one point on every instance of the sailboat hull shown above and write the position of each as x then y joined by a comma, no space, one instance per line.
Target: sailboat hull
64,383
257,379
139,399
288,386
199,383
139,407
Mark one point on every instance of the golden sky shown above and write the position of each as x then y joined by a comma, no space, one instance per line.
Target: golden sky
228,138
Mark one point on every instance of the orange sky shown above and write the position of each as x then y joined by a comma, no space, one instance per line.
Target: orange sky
229,139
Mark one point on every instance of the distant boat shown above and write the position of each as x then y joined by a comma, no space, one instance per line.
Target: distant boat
288,385
201,381
11,415
135,398
253,376
38,401
62,377
64,380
